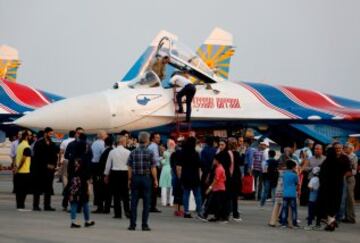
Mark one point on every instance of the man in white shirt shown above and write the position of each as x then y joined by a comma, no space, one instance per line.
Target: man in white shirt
64,162
13,148
181,79
97,148
305,153
265,144
116,174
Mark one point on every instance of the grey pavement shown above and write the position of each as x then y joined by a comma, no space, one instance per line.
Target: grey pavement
54,226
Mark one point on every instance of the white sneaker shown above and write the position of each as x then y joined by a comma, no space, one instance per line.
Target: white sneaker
237,219
24,210
224,222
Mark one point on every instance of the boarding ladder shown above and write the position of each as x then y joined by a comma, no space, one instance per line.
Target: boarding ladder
182,127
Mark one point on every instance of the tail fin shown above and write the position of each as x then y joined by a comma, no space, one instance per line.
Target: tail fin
146,57
217,51
9,63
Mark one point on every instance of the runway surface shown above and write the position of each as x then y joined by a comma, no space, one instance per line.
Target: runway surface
54,226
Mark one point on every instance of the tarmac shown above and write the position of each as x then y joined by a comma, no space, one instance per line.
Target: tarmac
55,226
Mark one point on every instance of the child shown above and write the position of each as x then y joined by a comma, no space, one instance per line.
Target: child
313,186
290,182
218,194
270,177
79,194
276,212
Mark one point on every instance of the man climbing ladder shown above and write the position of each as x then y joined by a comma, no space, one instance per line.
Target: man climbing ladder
181,79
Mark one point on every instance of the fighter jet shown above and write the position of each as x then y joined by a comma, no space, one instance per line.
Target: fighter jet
142,101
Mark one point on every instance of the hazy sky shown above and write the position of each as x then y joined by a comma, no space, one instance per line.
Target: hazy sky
72,47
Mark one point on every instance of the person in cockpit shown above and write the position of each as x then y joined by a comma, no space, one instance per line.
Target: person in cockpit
188,89
159,66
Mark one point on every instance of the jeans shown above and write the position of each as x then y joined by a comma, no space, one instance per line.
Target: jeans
74,208
289,201
265,192
140,185
197,195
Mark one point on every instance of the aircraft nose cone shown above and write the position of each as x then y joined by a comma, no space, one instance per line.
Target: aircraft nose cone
90,112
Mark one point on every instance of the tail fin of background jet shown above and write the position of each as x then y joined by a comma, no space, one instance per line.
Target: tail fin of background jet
9,63
217,51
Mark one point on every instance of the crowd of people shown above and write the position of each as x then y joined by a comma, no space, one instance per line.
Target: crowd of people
119,170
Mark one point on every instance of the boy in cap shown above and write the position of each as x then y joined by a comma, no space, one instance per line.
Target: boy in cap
313,186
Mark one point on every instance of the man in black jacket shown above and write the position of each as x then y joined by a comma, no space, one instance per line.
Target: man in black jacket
45,157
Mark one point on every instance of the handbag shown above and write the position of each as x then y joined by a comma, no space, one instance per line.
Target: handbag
248,184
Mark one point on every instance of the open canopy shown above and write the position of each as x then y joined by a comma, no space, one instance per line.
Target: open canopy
183,58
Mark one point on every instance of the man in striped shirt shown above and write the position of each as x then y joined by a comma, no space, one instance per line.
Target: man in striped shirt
258,160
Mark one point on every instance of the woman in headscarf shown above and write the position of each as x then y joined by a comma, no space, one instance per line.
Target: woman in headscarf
175,160
79,193
332,172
